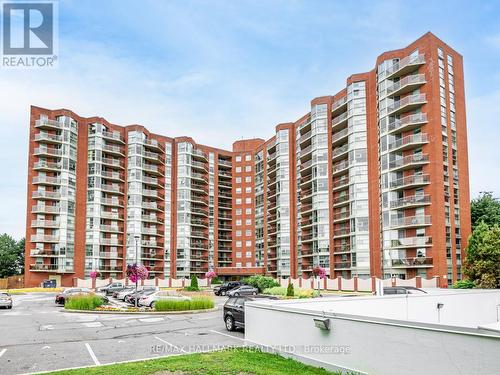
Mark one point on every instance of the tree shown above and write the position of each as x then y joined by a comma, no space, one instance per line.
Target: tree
11,256
485,208
194,284
290,290
482,258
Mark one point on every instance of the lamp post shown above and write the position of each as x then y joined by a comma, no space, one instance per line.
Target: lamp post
136,259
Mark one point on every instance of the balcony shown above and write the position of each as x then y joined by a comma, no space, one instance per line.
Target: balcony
341,216
410,242
408,162
340,119
342,265
340,152
113,162
418,262
46,180
199,165
46,166
341,200
113,136
224,174
224,163
111,228
410,182
407,104
115,176
153,144
48,124
41,209
48,138
108,255
44,224
46,195
408,142
115,150
151,231
404,66
342,232
342,249
151,181
44,238
37,267
410,221
340,183
199,177
339,106
341,167
111,188
306,151
407,123
151,219
45,253
152,193
111,215
105,268
199,223
110,242
411,201
146,243
44,151
406,85
199,211
153,169
153,156
340,137
199,154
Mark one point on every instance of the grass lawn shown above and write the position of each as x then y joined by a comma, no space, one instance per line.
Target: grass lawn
32,290
234,361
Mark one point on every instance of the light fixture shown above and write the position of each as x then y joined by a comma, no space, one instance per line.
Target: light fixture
322,323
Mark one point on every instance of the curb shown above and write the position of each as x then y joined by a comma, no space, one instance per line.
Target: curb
142,312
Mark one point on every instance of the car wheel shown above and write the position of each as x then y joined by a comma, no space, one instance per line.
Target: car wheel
254,293
230,323
10,307
223,293
236,294
152,305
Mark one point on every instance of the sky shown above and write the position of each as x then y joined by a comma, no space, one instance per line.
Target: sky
220,71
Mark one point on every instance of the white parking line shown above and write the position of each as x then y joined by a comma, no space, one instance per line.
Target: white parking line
225,334
2,352
172,345
92,355
151,320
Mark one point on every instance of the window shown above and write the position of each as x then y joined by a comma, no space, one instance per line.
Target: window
248,200
238,211
248,211
238,264
248,254
238,222
238,158
248,189
238,180
238,254
238,233
238,200
248,168
238,169
249,264
238,243
248,157
238,190
248,179
248,222
248,232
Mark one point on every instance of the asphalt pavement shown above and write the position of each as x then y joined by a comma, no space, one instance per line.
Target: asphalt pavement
37,335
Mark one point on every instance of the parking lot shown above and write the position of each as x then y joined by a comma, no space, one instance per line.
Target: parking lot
37,335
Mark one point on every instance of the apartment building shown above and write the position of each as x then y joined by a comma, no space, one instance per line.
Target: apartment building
373,181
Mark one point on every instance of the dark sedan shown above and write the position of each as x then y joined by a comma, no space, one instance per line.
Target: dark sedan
234,311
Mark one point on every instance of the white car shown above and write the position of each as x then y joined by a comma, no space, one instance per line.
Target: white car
123,293
149,300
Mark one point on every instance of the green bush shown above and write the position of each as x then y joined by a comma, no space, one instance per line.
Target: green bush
194,285
289,290
196,303
298,293
84,302
464,284
216,280
261,282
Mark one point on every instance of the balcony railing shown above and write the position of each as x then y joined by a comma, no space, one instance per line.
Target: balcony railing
340,166
47,165
44,224
47,151
405,84
419,179
46,194
111,215
41,137
409,140
341,134
224,163
418,262
153,143
46,180
410,201
406,104
410,221
111,242
46,123
404,65
409,161
113,135
50,267
407,122
45,209
112,162
340,118
44,238
412,242
113,149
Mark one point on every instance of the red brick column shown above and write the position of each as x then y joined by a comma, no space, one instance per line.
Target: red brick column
418,282
355,283
339,281
374,284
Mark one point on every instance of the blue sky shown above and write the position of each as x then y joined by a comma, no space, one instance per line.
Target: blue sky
224,70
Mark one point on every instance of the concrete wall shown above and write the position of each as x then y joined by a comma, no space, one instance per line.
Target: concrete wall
383,346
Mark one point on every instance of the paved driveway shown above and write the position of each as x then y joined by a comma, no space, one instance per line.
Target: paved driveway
37,335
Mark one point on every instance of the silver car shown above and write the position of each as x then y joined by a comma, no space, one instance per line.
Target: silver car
244,290
5,300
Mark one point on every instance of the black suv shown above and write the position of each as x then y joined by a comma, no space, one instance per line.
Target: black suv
234,311
222,290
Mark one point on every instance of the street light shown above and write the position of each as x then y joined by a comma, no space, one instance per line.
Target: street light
137,237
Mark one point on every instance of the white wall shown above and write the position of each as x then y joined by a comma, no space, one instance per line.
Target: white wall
375,348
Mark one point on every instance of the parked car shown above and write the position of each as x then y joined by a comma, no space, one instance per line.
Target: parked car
234,310
403,290
110,288
121,294
130,298
5,300
149,300
63,296
244,290
222,289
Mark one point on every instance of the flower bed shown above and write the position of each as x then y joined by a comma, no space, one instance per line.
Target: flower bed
280,291
84,302
195,303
